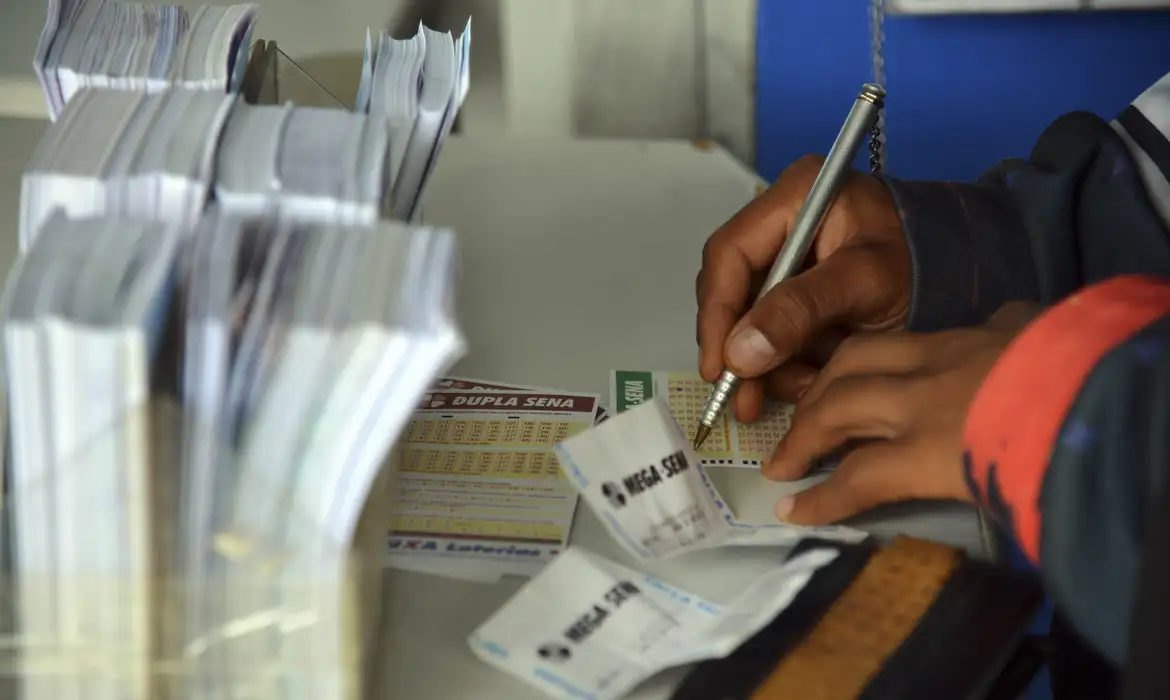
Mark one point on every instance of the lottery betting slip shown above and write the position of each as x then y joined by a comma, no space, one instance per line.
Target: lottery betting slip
479,492
731,443
588,627
640,475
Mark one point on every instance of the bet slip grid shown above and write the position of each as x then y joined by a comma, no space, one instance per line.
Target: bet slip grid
731,443
478,478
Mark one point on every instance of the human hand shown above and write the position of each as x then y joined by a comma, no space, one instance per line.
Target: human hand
906,395
858,278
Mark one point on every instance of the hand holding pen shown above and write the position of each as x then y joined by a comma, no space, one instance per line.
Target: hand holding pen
859,277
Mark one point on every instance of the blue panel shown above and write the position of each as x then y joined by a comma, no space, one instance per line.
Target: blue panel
965,91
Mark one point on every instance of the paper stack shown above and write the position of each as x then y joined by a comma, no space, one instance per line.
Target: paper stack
85,316
306,164
119,152
142,47
242,561
417,86
306,349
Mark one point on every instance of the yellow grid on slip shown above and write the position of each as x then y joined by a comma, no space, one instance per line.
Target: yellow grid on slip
686,395
440,526
502,432
496,464
730,443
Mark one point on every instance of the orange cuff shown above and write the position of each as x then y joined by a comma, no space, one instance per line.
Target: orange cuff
1016,417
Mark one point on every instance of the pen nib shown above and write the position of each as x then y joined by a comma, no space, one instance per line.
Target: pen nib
701,435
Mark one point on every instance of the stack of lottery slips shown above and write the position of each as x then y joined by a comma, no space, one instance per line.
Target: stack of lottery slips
305,164
143,47
125,153
416,87
201,421
479,492
93,448
306,350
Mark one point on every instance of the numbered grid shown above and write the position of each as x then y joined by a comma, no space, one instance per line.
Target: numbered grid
757,440
495,513
508,464
544,488
437,526
416,496
687,396
508,432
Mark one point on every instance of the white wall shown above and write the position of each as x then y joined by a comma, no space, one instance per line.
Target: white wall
616,68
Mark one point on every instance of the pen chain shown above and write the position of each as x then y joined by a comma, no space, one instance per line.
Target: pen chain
877,40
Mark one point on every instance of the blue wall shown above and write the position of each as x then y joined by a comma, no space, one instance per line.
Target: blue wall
965,91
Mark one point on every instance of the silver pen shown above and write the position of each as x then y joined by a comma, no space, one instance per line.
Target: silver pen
804,230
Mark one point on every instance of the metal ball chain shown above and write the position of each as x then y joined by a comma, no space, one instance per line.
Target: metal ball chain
877,137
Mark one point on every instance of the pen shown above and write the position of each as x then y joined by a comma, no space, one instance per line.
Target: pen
804,229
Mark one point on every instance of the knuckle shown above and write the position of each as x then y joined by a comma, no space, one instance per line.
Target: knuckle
715,248
838,391
708,247
786,317
808,162
817,415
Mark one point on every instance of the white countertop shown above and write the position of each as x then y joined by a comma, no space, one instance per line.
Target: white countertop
578,257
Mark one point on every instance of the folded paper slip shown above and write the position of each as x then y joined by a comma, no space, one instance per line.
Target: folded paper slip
640,475
911,620
588,627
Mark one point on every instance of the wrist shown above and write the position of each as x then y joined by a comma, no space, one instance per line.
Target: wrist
967,252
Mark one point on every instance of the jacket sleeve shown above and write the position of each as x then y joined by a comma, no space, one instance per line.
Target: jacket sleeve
1067,444
1090,203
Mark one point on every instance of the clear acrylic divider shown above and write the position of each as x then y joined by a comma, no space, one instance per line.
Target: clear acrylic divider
249,596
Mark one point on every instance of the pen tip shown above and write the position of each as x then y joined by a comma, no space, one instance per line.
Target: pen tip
701,436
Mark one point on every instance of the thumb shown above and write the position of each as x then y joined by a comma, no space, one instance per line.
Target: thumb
850,286
866,478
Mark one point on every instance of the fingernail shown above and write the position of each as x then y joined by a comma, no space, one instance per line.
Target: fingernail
784,507
770,462
773,469
749,352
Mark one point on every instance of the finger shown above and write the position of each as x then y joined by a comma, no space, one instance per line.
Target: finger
759,229
878,473
874,353
851,408
850,286
749,400
749,242
724,292
790,381
821,350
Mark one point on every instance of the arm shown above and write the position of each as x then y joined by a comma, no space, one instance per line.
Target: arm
1067,443
1092,202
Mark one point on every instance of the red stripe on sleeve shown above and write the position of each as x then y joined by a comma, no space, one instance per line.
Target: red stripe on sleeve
1016,417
